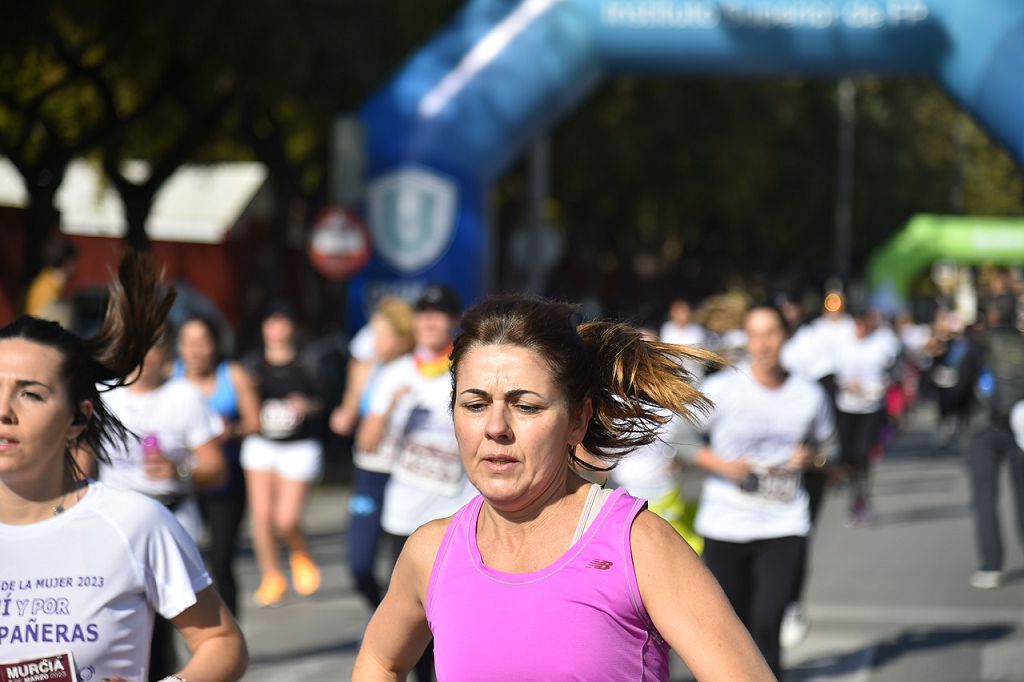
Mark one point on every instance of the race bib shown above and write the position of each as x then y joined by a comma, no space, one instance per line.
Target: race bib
278,419
56,668
381,460
428,456
778,484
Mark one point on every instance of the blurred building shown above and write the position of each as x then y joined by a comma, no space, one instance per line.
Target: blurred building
205,225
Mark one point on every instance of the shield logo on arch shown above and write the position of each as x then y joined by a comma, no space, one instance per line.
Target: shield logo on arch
412,217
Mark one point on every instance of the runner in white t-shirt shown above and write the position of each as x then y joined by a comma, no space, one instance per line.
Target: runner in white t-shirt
172,415
85,567
864,361
767,426
176,451
409,415
681,329
58,586
427,478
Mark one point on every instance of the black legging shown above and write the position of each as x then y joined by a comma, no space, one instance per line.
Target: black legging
758,577
858,433
814,481
364,532
223,513
163,659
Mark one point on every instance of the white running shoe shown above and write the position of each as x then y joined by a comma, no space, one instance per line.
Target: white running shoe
986,580
794,626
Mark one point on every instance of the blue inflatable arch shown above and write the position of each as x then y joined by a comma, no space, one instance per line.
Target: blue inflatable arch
463,107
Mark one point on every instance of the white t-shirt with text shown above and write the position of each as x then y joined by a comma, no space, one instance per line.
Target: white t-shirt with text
89,581
764,426
427,480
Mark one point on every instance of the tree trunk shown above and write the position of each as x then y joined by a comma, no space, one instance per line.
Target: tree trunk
137,205
274,259
41,219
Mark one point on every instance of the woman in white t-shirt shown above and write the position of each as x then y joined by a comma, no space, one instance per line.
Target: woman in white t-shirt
86,566
177,451
427,480
409,415
865,358
767,426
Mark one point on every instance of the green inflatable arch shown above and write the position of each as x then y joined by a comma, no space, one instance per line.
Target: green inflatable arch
927,238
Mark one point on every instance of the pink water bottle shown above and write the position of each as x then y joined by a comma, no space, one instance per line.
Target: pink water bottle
150,446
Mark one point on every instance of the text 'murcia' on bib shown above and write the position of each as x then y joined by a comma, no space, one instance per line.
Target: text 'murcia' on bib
56,668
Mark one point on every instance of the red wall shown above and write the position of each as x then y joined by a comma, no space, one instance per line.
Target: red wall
12,245
218,271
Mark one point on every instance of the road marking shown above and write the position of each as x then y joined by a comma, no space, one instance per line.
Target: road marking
1002,661
910,615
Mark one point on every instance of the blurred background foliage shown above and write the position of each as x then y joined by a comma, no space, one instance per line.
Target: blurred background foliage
691,186
658,185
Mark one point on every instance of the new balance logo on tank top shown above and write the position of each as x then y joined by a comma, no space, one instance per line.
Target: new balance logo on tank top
581,618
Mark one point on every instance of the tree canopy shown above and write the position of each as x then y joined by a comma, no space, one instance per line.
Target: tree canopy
672,187
660,186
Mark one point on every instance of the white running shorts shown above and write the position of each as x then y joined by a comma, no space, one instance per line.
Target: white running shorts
296,460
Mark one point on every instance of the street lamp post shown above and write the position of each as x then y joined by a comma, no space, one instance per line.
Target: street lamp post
846,92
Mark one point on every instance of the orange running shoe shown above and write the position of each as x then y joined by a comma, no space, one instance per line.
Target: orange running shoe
305,574
271,590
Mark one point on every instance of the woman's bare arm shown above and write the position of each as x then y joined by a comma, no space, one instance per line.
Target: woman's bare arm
689,608
218,648
398,633
248,401
346,414
210,469
734,469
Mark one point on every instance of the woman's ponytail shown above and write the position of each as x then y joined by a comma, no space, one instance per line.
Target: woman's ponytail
134,321
636,384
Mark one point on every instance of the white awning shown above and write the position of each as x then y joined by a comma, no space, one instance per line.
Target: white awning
198,204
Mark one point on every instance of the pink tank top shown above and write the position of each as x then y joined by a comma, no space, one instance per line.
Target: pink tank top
581,618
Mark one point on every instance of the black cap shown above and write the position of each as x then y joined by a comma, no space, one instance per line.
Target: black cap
440,297
283,308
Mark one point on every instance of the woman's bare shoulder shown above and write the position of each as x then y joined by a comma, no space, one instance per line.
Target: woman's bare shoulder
423,545
653,536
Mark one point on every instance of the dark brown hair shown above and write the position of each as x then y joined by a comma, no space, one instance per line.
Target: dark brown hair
133,322
787,329
633,383
211,329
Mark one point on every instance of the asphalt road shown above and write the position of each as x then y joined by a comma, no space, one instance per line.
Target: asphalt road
887,602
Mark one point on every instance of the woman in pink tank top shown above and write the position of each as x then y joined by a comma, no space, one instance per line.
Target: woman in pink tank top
543,576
